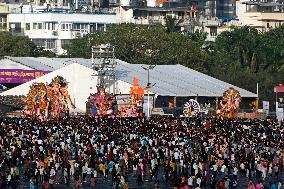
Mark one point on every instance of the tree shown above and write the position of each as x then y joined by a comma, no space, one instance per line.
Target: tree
40,52
20,46
240,42
172,24
140,44
250,57
80,47
199,37
272,48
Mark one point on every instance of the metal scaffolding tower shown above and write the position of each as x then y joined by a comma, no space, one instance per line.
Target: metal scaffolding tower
103,65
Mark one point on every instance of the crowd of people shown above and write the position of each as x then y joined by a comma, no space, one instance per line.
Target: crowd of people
170,152
14,101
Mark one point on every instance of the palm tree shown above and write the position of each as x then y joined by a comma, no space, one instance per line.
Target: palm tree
172,24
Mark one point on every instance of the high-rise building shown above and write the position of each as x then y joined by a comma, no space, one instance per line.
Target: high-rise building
226,8
216,8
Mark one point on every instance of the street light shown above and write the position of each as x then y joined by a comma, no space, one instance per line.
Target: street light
149,85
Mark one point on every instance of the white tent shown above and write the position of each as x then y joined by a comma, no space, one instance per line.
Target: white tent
171,80
81,84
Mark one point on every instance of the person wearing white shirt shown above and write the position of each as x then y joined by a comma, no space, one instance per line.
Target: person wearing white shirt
39,142
190,181
114,151
89,172
224,170
76,166
52,172
57,165
150,142
40,148
152,163
198,181
62,144
9,178
95,174
134,169
176,155
215,167
235,172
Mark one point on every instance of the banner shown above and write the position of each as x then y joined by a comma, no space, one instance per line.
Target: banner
246,115
19,76
279,89
265,106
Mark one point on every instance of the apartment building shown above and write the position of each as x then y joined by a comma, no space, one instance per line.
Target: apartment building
154,15
261,14
4,10
54,30
52,26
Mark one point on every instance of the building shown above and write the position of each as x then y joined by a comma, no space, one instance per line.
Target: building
225,8
217,8
74,4
4,11
188,19
261,14
157,15
52,25
52,30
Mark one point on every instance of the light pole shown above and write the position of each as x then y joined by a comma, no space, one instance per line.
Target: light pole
149,85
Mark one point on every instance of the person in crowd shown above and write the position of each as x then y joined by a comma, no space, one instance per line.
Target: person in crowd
169,152
251,185
259,185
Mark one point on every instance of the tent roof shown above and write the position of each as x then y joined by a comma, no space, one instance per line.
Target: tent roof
80,84
11,64
171,80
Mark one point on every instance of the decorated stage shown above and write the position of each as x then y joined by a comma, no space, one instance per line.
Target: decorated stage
52,101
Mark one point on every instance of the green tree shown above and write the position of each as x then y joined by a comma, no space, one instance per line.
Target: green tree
172,24
80,47
140,44
248,57
20,46
240,42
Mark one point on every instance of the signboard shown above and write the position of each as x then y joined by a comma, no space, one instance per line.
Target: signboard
246,115
19,76
265,105
279,89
